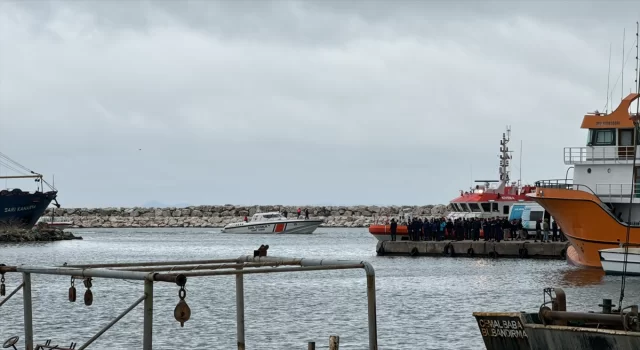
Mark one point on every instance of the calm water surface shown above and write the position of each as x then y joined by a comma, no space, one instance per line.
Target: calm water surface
423,303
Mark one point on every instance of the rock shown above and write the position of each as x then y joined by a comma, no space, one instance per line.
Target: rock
37,234
220,215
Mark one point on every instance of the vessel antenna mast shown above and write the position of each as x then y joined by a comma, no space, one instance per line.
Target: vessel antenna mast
624,30
606,106
636,119
505,156
520,180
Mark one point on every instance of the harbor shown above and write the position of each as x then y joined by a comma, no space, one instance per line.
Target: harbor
475,249
287,175
308,306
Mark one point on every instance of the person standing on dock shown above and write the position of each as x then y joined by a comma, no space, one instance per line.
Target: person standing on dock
426,229
285,213
306,213
521,231
538,229
393,228
475,227
554,231
545,230
299,213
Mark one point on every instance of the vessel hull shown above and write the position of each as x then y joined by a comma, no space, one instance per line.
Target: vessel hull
517,331
586,223
276,227
24,209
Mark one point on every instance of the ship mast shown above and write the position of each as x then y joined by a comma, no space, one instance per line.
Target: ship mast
636,124
505,156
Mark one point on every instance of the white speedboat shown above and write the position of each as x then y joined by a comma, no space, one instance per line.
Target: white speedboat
57,222
273,222
612,261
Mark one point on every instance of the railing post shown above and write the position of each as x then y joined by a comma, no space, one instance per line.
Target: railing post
27,304
147,335
240,310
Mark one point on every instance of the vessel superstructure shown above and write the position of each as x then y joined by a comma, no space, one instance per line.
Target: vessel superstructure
488,199
595,208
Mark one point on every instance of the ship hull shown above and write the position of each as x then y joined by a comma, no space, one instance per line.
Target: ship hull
276,227
517,331
585,222
23,209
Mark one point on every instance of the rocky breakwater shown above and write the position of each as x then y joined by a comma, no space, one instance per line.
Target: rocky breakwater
37,234
219,216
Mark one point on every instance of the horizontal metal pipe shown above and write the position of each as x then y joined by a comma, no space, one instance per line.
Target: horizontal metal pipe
583,316
205,266
11,294
4,269
114,321
309,262
270,270
101,273
154,263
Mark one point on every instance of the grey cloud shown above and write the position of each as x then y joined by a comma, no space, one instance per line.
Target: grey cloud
344,102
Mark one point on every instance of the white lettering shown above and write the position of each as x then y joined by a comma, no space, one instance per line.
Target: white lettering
502,328
17,209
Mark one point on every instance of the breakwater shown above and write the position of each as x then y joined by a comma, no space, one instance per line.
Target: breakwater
220,215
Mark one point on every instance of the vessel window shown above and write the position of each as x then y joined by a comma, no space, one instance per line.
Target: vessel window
474,207
604,137
535,215
486,207
505,210
494,207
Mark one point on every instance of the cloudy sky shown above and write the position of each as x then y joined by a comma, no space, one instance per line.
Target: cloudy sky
299,102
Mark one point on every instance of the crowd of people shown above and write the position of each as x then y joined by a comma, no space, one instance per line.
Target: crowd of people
493,229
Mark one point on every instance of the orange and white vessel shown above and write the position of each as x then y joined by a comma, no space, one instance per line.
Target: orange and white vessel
488,199
593,209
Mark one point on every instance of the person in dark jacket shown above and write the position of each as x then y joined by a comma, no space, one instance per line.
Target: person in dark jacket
538,231
393,229
554,231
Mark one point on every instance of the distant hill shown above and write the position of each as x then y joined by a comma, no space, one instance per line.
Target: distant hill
157,204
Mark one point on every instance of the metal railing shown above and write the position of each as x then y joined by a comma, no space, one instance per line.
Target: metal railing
617,191
598,155
177,272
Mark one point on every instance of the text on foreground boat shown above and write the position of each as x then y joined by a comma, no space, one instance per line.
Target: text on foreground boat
556,328
178,272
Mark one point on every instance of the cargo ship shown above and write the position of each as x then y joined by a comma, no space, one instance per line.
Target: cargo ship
488,199
19,208
601,204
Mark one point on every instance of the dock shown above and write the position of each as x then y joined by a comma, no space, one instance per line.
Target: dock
474,249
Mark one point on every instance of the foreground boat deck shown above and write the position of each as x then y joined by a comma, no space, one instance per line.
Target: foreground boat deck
467,248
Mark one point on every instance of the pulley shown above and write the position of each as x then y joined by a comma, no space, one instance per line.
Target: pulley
72,291
88,294
182,312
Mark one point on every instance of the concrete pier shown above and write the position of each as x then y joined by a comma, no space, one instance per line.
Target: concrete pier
503,249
